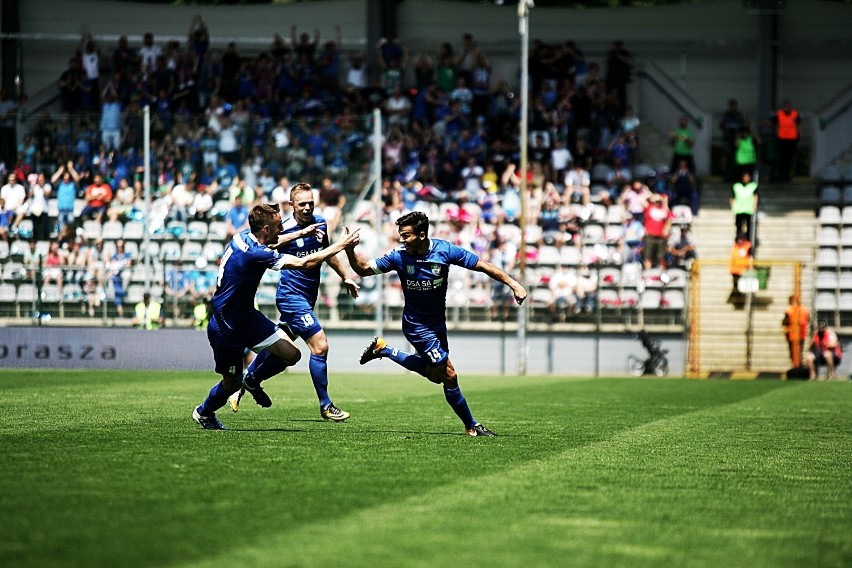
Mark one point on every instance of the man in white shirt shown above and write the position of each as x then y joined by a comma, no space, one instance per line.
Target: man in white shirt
149,52
14,194
577,183
281,197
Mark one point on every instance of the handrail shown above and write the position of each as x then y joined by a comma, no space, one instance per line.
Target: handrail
842,102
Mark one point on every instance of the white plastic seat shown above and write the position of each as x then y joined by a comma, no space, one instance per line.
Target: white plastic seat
27,293
134,294
134,231
682,215
548,255
541,296
217,231
170,251
197,230
50,293
610,277
845,260
845,281
614,233
827,258
826,280
673,300
829,236
600,173
213,250
830,174
609,299
73,293
825,302
593,234
677,278
844,304
650,299
830,215
112,230
192,250
631,272
629,298
570,256
8,292
615,214
91,230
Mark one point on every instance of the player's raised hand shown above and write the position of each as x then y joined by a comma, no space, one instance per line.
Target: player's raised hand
350,239
315,229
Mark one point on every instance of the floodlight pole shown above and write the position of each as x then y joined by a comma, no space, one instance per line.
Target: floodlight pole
377,212
146,186
523,29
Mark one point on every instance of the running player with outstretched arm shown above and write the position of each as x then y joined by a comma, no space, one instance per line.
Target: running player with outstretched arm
235,323
423,265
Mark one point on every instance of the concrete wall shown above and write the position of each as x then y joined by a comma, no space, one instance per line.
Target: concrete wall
478,353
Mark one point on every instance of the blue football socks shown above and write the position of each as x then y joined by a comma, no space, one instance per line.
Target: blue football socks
215,400
457,402
318,366
265,366
410,361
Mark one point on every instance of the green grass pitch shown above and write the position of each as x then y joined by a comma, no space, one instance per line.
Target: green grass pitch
107,469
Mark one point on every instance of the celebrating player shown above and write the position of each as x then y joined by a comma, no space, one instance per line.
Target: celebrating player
295,298
235,323
423,265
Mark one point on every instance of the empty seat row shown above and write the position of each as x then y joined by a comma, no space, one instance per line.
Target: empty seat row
833,215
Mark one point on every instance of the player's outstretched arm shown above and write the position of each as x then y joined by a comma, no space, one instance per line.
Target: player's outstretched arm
304,232
352,287
348,239
359,265
499,275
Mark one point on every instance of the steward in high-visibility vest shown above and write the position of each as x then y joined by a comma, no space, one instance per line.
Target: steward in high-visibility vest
744,200
147,314
787,137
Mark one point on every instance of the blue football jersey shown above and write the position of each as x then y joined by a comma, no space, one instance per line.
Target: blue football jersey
243,264
301,283
424,277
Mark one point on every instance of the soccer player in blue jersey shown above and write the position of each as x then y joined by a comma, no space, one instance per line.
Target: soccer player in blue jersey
423,265
296,296
235,323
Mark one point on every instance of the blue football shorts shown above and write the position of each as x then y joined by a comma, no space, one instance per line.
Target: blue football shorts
229,342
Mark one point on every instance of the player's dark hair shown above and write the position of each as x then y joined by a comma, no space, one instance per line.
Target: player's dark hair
261,215
417,220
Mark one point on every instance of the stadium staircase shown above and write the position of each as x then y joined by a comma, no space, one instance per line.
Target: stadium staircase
787,229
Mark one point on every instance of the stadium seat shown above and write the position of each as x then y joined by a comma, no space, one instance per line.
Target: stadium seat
4,250
217,231
609,299
600,173
220,209
72,293
615,214
829,236
826,280
631,273
132,248
14,272
533,233
825,302
25,229
844,261
50,294
847,194
598,214
593,234
570,256
541,297
650,299
27,293
170,251
192,250
53,207
134,231
549,255
827,258
177,229
112,230
847,173
213,250
830,174
830,215
629,298
845,281
134,294
197,230
652,278
643,172
678,278
614,234
91,230
41,248
845,236
673,300
844,304
8,292
830,195
610,277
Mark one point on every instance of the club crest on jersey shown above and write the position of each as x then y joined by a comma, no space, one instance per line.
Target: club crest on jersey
409,269
300,242
436,269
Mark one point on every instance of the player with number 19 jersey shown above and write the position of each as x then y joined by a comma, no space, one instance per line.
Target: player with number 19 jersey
297,290
424,285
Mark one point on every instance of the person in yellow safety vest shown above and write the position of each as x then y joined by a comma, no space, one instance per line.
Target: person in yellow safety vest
744,199
796,320
787,134
147,314
201,313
